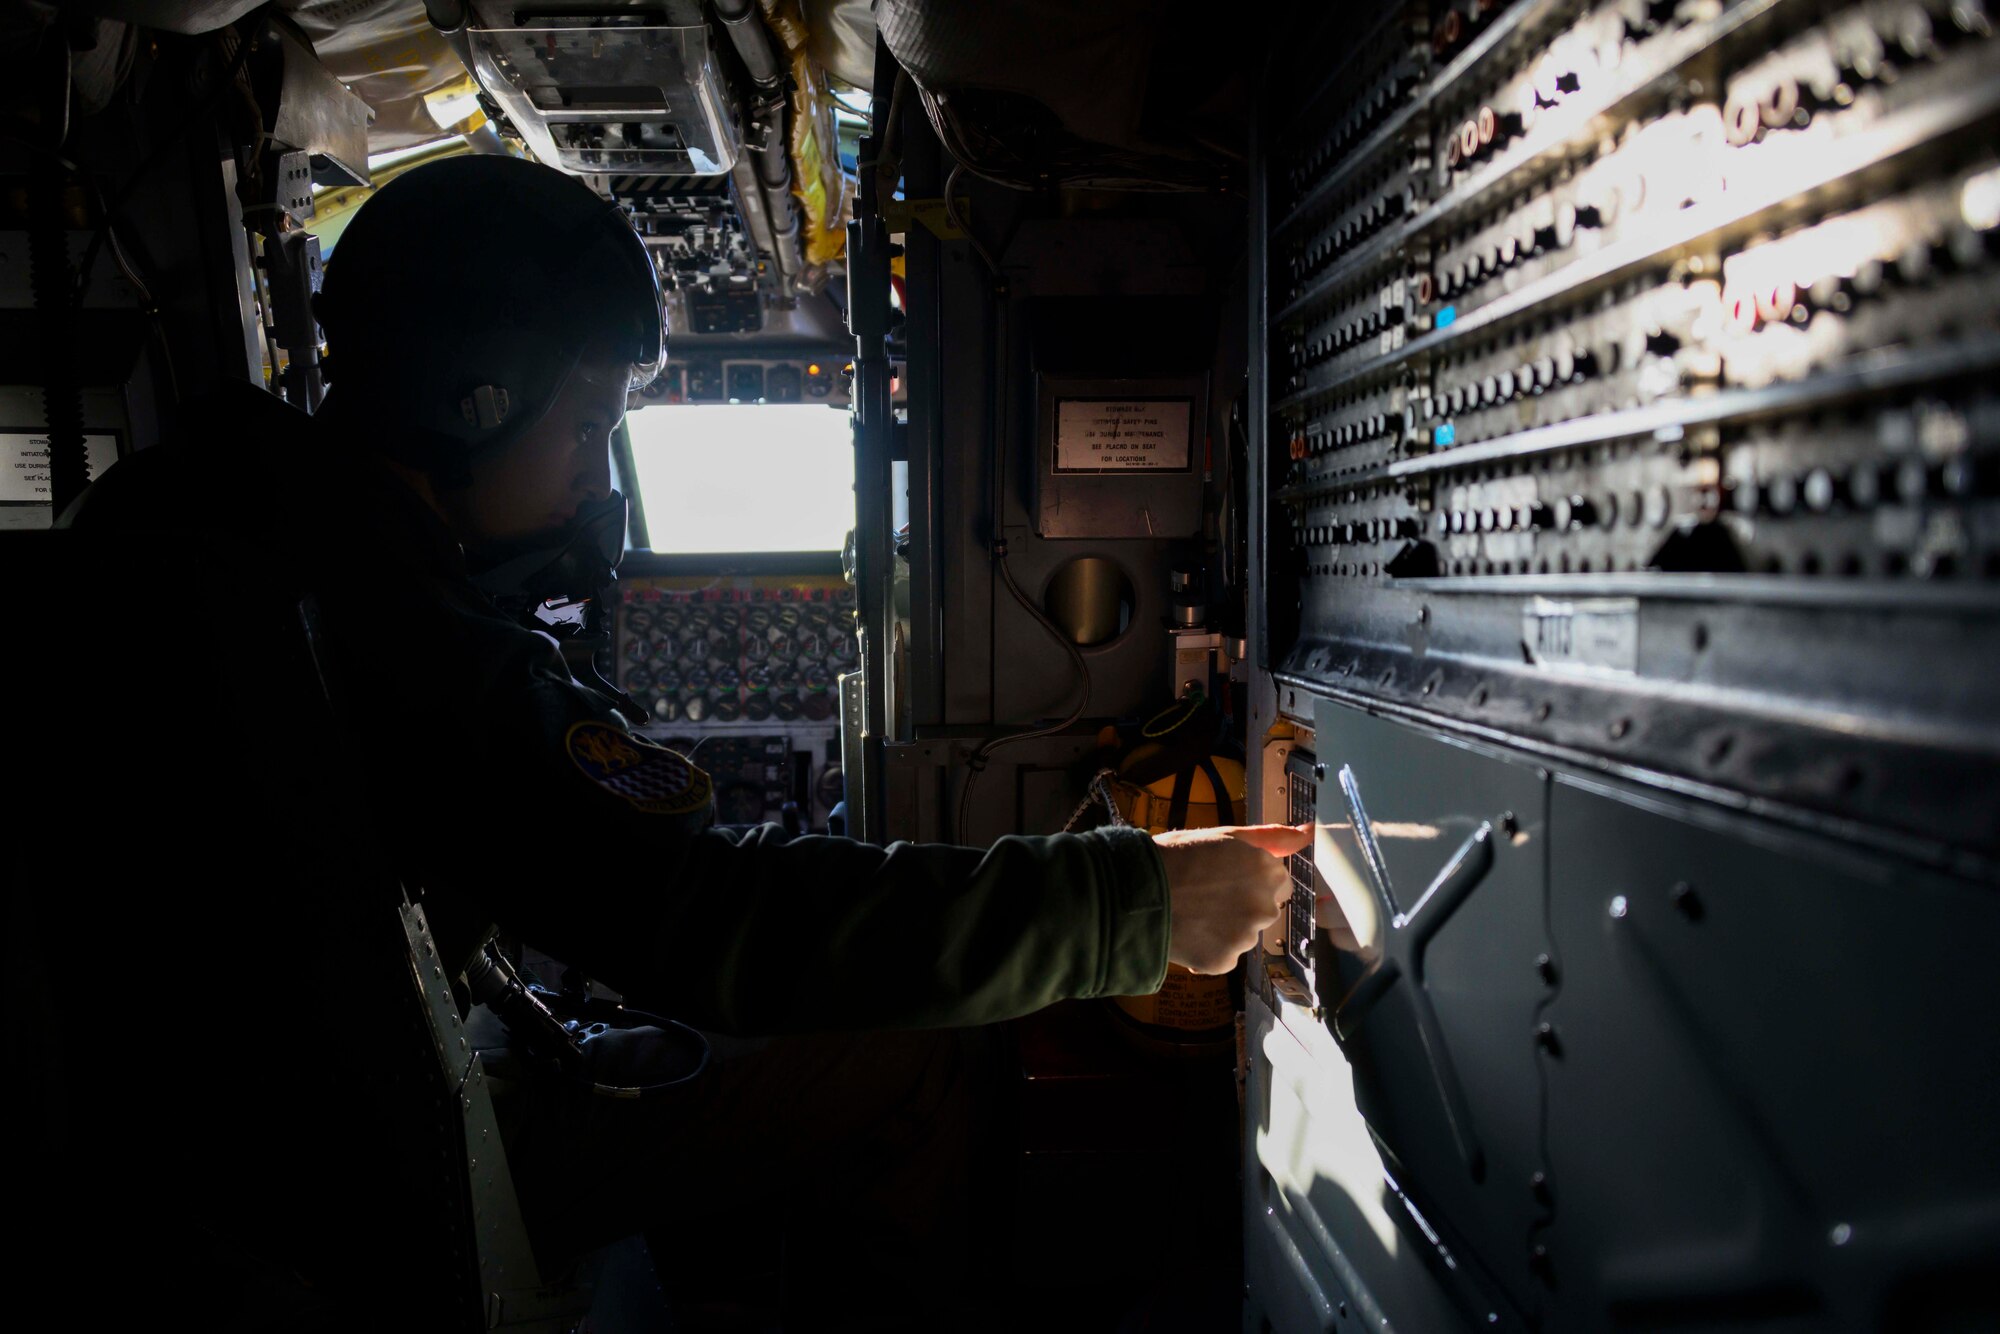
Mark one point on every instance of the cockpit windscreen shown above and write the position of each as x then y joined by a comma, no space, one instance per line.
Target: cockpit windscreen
744,477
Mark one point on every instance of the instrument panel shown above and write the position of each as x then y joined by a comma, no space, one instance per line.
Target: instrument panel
716,379
741,673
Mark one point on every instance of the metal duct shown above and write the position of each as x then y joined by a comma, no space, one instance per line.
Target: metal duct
751,201
745,26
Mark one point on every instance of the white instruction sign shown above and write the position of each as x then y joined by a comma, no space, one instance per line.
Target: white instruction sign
1590,634
1122,434
24,464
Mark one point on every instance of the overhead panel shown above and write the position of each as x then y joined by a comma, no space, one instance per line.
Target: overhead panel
608,89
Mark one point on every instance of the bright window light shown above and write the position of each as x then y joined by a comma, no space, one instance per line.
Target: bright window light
744,477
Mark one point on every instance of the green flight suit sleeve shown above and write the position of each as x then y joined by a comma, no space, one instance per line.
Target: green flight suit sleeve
591,844
760,933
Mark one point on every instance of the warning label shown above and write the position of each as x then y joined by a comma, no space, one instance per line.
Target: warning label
24,464
1122,435
1592,634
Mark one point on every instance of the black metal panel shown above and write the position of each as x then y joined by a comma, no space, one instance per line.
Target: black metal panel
1436,852
1632,1061
1773,1082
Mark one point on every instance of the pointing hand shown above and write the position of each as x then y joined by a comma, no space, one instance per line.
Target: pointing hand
1227,884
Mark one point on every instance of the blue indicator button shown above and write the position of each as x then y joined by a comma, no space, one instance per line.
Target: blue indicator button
1445,435
1446,316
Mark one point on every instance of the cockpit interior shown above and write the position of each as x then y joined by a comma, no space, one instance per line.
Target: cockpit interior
1546,452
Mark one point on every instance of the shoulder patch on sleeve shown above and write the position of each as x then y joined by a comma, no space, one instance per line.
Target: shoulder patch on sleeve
656,780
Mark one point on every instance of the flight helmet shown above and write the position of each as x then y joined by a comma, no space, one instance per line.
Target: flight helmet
464,293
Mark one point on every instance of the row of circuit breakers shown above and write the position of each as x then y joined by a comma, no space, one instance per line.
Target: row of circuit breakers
741,674
1682,285
737,654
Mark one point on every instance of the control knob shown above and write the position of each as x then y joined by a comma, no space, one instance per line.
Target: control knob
1575,512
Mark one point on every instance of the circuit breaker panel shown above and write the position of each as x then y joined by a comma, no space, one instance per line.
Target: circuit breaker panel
740,673
1631,473
1630,376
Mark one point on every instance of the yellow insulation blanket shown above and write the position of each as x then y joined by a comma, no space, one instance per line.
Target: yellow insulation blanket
815,147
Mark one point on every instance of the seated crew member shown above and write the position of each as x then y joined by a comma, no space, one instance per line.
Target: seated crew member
486,319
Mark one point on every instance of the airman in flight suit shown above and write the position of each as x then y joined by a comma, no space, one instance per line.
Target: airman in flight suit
515,794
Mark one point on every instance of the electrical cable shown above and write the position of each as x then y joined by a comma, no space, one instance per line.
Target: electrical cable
1080,165
951,213
1095,792
978,759
887,164
107,233
244,47
976,762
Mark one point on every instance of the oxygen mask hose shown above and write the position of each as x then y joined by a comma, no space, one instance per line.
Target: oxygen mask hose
530,1025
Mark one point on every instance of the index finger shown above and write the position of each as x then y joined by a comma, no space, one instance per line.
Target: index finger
1280,840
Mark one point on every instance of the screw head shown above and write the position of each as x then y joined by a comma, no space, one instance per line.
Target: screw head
1619,906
